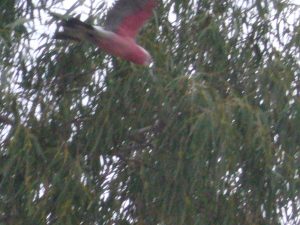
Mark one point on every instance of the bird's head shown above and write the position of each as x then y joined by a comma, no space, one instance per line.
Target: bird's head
148,61
145,57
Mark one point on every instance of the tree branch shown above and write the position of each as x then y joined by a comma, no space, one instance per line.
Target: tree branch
6,120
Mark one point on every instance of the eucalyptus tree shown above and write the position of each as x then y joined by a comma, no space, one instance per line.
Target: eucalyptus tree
208,135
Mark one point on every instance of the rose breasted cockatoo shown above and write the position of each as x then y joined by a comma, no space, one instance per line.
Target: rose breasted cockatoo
117,37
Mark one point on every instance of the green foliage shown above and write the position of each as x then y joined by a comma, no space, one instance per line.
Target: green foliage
209,135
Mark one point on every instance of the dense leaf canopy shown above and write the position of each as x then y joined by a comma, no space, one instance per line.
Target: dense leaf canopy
209,135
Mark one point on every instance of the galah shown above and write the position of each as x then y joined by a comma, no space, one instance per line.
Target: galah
117,37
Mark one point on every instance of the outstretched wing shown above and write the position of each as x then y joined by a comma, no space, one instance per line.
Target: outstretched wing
127,16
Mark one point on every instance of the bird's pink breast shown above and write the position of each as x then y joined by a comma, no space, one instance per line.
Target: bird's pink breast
125,48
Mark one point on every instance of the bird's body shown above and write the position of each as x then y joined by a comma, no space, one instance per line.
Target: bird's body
125,48
118,36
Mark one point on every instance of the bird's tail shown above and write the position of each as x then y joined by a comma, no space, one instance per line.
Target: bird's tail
75,29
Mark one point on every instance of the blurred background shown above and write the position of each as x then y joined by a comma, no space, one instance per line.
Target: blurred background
208,135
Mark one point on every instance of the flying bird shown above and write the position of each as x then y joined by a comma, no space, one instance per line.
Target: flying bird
117,37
